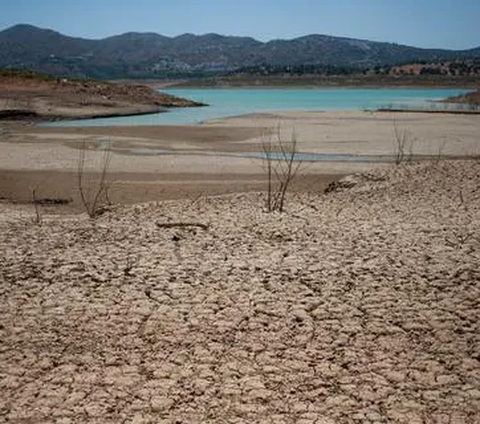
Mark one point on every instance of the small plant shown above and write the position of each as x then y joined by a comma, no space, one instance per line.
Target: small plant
94,197
38,216
403,145
440,153
281,164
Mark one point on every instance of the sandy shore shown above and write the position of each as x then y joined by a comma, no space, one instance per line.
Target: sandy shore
215,157
357,306
358,133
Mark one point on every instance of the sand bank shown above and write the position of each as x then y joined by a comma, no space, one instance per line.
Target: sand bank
220,150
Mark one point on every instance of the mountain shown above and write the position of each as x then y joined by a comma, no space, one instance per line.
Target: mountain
152,55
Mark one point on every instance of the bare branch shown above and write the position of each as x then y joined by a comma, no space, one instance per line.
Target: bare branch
94,207
282,165
38,217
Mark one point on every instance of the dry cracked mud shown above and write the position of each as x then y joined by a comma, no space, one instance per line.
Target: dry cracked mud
359,306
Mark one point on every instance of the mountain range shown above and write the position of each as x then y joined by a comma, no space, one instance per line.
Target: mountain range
150,55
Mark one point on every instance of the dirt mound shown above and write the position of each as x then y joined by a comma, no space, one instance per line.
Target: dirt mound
48,98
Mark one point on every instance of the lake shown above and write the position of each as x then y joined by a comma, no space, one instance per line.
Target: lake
231,102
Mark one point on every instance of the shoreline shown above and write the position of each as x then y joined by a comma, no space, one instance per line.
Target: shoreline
322,87
118,112
320,132
448,100
216,157
431,111
144,110
10,115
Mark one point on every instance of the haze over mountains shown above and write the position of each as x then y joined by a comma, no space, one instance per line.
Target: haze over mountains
149,55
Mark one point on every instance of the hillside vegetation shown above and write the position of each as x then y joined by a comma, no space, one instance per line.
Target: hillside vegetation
148,55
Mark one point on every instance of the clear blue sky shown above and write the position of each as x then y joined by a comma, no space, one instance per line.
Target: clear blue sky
424,23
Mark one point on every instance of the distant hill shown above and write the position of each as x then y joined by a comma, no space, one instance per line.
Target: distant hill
149,55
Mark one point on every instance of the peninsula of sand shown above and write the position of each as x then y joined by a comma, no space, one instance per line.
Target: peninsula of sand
25,95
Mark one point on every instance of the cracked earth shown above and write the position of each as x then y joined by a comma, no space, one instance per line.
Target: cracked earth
360,305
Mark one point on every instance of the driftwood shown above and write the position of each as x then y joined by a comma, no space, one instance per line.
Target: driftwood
181,225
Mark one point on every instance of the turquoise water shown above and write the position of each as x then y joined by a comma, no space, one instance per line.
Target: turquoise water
231,102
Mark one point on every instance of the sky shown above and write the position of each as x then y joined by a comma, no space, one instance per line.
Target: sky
451,24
